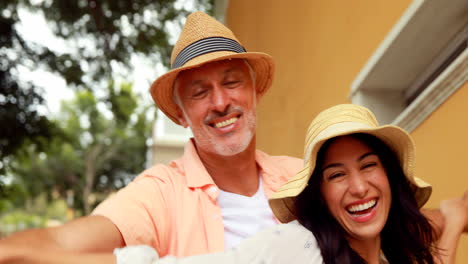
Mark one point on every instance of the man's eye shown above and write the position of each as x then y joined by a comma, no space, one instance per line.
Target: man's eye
199,93
231,83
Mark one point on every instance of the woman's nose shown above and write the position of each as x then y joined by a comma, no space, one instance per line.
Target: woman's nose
358,185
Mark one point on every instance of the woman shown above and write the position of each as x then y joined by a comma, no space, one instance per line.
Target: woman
362,191
358,196
355,201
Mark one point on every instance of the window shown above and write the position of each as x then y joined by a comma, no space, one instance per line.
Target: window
421,62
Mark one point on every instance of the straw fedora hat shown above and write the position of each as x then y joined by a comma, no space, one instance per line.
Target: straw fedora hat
204,39
343,120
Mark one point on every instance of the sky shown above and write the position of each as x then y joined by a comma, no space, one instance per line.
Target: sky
34,28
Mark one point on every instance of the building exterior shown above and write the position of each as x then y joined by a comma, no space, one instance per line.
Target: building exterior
406,60
168,140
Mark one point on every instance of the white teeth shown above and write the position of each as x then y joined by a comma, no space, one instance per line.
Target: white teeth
226,122
362,207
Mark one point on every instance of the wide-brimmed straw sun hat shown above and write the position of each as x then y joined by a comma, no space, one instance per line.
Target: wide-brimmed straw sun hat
204,39
344,120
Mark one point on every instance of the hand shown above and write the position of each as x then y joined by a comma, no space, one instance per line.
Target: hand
455,212
140,254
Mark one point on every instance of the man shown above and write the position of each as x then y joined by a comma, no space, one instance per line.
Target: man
215,194
212,197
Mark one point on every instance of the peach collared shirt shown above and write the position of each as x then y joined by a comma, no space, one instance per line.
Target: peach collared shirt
173,207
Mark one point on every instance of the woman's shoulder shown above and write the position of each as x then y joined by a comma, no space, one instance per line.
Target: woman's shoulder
292,231
289,242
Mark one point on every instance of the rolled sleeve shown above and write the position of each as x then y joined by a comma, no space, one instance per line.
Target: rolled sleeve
139,211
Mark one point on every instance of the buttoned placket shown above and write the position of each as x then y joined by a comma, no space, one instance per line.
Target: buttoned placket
215,220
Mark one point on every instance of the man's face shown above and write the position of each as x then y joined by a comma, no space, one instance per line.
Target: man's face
217,102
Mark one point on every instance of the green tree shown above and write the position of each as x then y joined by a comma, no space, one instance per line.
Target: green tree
19,114
102,146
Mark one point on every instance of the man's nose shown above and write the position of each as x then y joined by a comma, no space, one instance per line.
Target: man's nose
358,185
220,99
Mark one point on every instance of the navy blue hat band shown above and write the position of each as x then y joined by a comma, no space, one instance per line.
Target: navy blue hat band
204,46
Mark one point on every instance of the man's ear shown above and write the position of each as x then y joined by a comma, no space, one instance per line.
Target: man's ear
181,118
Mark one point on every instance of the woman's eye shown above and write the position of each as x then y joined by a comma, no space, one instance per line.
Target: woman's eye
369,165
335,175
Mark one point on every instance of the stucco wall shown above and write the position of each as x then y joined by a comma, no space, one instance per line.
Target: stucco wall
442,153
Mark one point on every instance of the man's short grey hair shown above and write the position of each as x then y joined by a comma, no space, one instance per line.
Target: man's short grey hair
175,93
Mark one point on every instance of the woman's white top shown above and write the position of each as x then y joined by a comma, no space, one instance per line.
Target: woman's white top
280,244
289,243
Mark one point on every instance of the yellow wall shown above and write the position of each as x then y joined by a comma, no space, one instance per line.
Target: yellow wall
319,47
442,153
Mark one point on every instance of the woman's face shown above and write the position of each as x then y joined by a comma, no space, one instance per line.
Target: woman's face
355,188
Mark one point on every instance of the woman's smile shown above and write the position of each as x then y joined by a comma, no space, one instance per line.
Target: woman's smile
363,211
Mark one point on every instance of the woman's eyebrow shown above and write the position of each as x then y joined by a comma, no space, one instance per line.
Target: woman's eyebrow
365,155
336,164
332,165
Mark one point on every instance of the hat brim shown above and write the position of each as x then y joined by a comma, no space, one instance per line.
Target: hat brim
162,88
282,201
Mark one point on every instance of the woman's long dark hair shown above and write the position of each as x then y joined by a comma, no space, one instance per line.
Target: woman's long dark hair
407,237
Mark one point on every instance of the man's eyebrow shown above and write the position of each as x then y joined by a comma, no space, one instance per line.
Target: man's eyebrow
232,69
195,82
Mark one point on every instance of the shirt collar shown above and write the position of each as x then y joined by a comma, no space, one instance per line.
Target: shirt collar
194,170
269,172
197,176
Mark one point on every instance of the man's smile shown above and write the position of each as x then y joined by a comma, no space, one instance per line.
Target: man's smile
226,122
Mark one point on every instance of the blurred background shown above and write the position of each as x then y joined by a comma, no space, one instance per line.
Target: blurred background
77,121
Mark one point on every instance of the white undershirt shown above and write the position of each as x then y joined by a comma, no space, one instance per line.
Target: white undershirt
244,216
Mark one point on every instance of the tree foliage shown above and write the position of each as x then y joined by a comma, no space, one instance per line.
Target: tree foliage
18,104
19,114
101,148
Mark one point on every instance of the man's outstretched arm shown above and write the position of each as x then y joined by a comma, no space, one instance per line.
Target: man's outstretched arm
455,213
94,234
437,220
